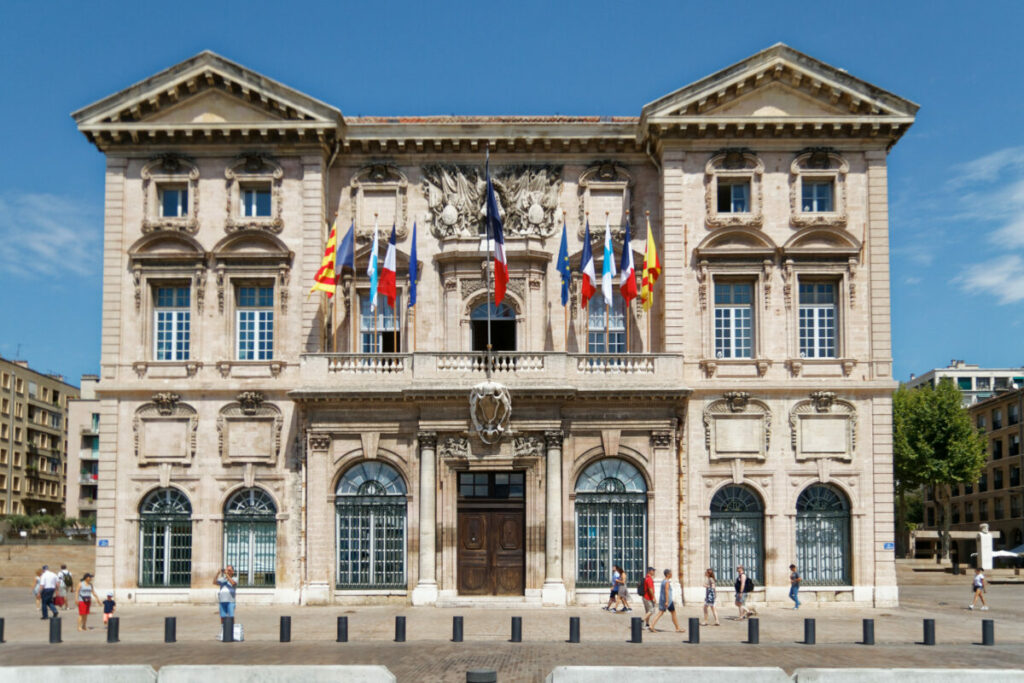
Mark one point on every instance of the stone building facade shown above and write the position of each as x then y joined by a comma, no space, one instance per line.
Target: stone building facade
83,453
337,455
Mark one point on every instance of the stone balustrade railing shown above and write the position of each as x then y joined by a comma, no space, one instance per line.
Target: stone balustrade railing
367,363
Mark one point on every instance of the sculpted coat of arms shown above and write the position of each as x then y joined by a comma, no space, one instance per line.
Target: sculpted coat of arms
490,407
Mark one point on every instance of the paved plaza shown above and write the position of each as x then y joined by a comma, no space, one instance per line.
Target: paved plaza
429,653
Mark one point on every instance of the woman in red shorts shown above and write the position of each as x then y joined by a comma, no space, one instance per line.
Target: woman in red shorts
84,598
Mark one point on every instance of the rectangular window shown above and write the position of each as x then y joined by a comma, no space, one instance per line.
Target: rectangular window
981,422
616,328
931,516
997,419
1013,414
817,196
956,513
1002,382
1014,476
491,485
19,386
174,201
172,323
983,483
1015,506
983,382
255,200
963,383
33,389
733,197
382,336
734,320
982,510
255,323
997,449
968,512
968,489
997,479
817,320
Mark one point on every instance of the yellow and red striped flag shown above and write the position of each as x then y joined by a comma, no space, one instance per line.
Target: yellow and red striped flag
324,280
651,270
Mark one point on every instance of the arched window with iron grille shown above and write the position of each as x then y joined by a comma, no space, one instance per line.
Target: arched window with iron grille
737,533
250,537
370,514
165,539
611,522
823,536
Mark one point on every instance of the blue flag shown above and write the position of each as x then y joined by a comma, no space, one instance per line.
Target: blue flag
346,251
413,268
563,266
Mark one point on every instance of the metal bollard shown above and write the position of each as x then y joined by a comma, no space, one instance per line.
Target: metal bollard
753,631
574,629
929,632
517,629
636,625
808,631
228,630
694,631
342,629
55,630
481,676
869,632
170,629
456,629
1,629
399,629
114,630
988,632
286,629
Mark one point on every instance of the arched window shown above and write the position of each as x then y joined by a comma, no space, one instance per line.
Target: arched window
370,512
165,544
615,325
823,536
611,522
250,537
737,533
503,327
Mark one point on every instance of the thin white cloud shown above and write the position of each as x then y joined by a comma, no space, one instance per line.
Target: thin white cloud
48,234
1001,277
912,280
988,167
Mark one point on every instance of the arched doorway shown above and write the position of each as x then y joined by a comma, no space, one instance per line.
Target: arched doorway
503,327
611,522
250,537
370,514
165,543
823,536
737,533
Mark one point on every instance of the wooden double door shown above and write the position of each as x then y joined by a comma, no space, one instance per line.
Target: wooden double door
492,548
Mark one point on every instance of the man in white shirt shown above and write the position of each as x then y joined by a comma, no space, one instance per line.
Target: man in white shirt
48,585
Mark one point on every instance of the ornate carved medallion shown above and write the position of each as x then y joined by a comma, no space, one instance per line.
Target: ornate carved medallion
490,408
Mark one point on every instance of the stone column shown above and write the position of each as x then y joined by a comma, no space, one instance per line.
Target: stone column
425,592
319,541
553,592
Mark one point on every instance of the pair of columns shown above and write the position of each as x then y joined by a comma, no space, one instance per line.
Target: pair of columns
553,592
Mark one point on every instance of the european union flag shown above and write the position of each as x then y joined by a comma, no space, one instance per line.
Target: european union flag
413,269
563,266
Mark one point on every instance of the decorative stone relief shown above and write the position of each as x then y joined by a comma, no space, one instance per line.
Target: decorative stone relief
819,163
490,408
199,286
823,427
662,439
427,440
165,430
528,446
516,285
734,165
320,442
605,186
384,190
253,168
787,282
703,279
553,438
249,430
737,426
173,169
454,447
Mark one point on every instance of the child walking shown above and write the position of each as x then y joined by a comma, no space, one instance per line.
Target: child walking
108,608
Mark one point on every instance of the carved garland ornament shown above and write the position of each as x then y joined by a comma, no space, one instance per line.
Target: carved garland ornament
737,404
516,285
734,164
253,167
165,407
170,169
249,408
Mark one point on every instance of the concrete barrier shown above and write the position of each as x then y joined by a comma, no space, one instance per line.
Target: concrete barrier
273,674
78,674
908,675
667,674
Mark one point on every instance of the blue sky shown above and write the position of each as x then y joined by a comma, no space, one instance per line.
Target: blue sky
956,179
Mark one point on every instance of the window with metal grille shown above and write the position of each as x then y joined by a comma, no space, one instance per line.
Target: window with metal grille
737,533
606,335
250,537
165,545
172,323
370,514
823,536
255,323
817,320
734,320
611,522
383,334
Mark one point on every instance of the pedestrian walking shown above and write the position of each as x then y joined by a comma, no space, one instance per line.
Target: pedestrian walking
979,588
37,590
794,586
48,586
85,589
648,596
710,595
624,591
666,603
614,597
108,608
226,595
65,588
743,587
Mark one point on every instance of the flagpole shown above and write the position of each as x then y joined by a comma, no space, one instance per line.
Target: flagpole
607,304
650,311
375,347
586,309
628,304
487,233
334,299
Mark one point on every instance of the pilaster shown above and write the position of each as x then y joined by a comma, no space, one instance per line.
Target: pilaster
425,592
553,592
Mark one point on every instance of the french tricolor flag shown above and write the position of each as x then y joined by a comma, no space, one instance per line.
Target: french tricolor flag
494,229
627,270
587,268
387,284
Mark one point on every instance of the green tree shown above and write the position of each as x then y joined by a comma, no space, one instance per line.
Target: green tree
906,468
935,444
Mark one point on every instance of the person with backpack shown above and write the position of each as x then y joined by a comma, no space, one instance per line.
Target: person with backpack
65,588
743,586
645,589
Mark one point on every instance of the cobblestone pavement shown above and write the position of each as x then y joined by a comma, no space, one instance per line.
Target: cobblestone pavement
429,654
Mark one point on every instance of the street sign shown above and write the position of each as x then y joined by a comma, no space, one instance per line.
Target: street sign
103,543
888,545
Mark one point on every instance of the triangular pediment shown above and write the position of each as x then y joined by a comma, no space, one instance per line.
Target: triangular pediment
778,83
214,107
